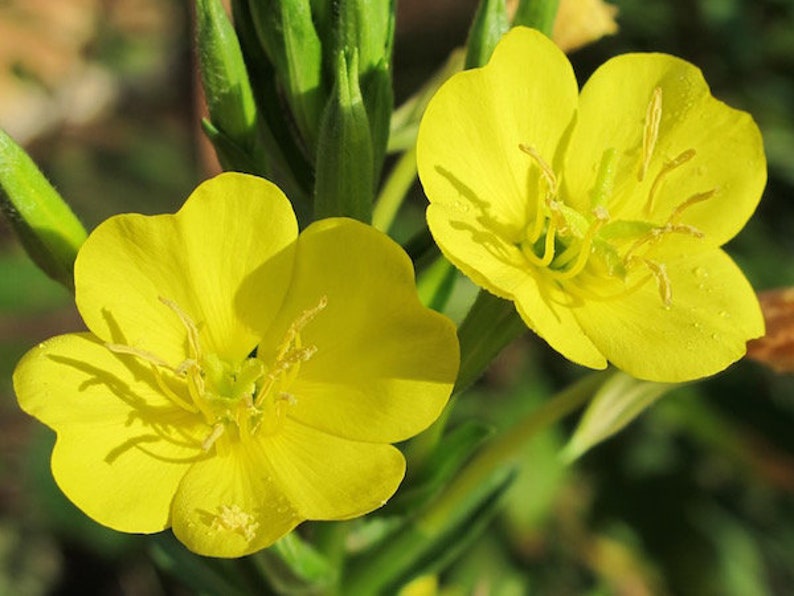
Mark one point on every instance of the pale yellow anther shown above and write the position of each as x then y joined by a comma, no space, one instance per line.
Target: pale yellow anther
693,200
668,167
650,134
147,357
214,435
659,272
190,326
545,168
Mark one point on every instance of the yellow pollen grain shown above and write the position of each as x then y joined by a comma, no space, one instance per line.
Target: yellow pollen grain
232,518
650,134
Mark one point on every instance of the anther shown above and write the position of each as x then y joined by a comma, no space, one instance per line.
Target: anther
545,168
693,200
668,167
214,435
653,117
190,326
659,272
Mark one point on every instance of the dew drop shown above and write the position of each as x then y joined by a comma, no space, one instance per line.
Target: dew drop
725,314
461,206
715,336
700,272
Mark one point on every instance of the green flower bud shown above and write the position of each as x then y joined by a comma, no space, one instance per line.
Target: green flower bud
46,226
288,35
490,23
226,86
344,182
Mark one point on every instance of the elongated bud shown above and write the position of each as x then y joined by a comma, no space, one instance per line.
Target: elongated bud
538,14
344,181
287,33
367,26
46,226
490,23
223,74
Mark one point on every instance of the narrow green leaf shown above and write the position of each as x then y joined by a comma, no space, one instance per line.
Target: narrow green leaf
449,455
619,401
47,228
491,324
429,543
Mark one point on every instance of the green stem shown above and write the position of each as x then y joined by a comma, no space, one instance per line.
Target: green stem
491,324
396,187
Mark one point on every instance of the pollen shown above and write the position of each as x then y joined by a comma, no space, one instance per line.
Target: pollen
232,518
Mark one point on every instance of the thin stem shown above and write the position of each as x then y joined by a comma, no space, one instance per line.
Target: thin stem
396,187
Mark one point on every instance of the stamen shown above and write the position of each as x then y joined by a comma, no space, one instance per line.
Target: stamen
545,168
192,330
214,435
147,357
659,271
668,167
693,200
653,117
297,326
171,394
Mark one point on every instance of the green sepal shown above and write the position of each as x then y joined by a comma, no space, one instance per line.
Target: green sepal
46,227
287,34
490,23
449,455
428,543
538,14
344,184
616,403
224,77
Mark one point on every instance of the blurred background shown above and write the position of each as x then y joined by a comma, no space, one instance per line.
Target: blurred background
695,497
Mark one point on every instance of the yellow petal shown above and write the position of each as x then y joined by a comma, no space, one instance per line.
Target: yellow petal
728,156
385,365
331,478
230,505
468,153
233,229
240,502
713,313
122,447
544,308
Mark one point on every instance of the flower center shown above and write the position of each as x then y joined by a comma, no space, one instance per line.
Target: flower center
235,399
580,251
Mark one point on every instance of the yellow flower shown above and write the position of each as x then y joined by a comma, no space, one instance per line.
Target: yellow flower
236,380
600,215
